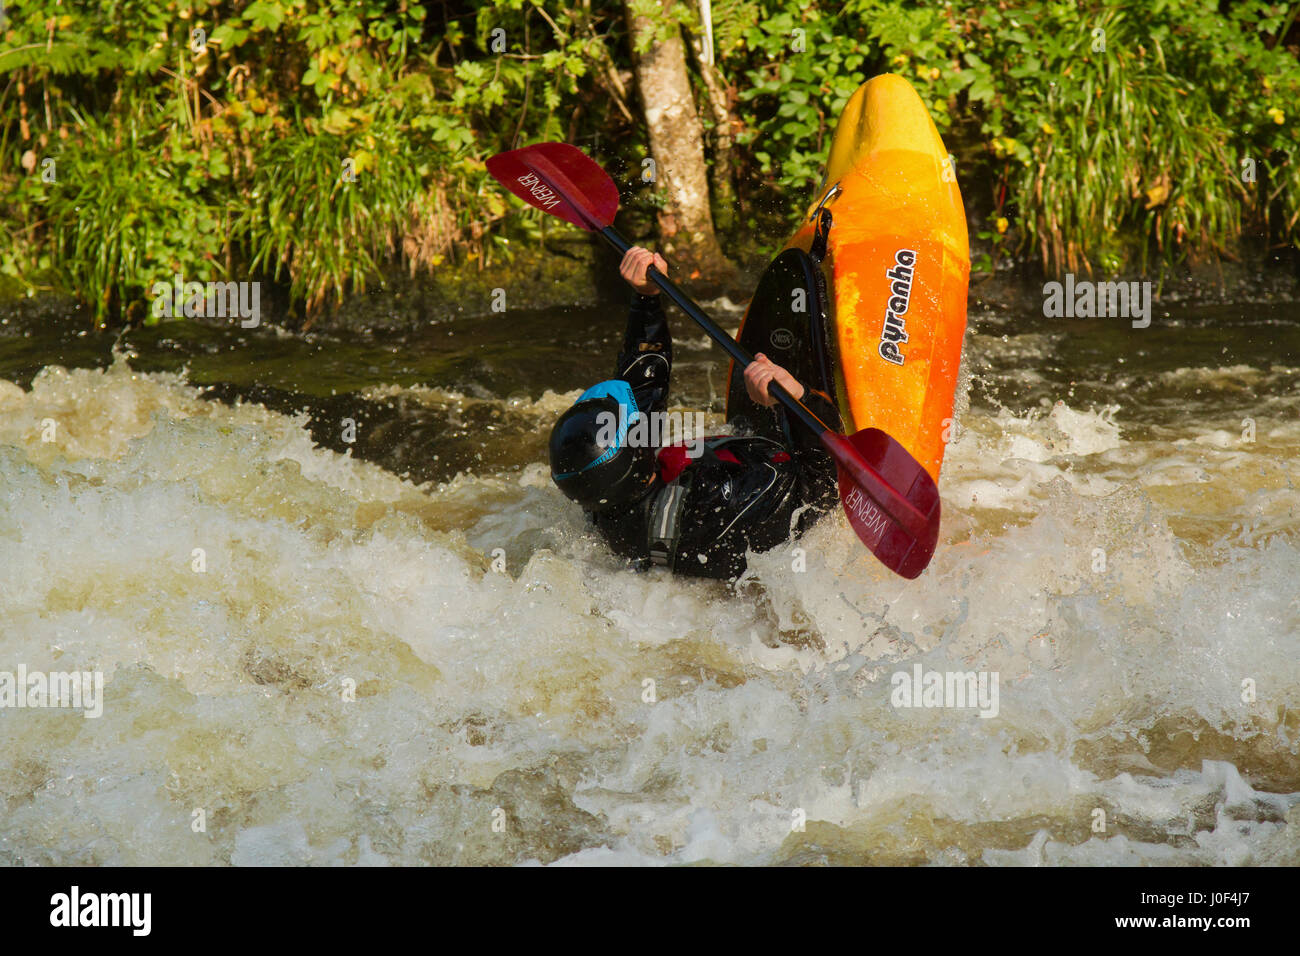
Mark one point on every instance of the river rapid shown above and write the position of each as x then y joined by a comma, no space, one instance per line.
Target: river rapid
343,617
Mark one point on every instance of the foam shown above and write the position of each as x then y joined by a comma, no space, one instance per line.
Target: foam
521,694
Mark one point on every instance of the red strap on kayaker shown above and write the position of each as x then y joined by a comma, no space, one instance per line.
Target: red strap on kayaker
672,462
674,459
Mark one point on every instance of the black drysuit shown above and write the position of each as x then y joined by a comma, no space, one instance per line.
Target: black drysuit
744,492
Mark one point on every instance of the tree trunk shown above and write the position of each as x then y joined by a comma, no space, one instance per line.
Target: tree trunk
716,100
677,148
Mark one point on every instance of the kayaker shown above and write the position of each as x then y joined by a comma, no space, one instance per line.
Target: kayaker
694,507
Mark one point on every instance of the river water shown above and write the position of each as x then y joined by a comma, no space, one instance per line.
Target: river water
343,617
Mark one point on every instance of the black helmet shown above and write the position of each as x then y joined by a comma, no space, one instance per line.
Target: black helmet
592,461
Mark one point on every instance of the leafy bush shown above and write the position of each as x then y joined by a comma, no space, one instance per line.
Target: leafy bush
225,149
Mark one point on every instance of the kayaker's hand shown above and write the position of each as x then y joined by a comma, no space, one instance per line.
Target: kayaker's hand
634,266
761,372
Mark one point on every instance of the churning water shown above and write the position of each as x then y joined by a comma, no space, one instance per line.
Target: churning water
310,659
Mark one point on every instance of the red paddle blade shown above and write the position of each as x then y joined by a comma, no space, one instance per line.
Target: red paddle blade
891,501
559,179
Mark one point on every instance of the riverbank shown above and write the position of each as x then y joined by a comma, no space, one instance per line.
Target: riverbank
577,272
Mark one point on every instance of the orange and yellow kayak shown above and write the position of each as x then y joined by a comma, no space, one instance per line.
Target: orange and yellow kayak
895,264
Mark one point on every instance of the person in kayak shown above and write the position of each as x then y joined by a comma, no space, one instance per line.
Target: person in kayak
693,507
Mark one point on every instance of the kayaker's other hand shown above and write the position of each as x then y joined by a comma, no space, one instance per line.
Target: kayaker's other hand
762,372
634,266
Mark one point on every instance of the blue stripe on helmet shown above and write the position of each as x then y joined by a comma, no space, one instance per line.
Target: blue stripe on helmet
619,390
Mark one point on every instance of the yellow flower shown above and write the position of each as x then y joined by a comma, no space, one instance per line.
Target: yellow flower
1157,194
363,161
1049,129
1001,224
1004,146
1277,116
934,72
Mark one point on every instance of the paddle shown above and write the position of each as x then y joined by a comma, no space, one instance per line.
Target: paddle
891,501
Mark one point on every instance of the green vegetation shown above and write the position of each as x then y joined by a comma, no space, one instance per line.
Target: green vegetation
315,140
1100,133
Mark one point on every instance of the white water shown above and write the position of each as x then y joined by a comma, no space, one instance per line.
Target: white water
520,697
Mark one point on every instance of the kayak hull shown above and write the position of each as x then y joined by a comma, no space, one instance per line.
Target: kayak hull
896,269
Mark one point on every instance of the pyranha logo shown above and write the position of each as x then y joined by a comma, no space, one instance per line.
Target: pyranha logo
900,294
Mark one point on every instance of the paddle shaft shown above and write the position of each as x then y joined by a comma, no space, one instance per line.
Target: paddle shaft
717,333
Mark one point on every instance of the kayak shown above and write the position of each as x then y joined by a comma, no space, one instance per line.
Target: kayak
890,499
867,301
